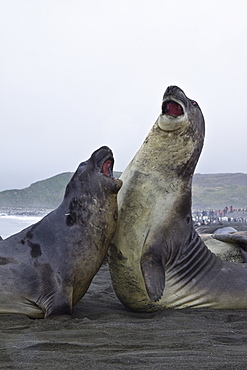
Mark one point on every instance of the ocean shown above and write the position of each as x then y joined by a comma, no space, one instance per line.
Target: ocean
12,221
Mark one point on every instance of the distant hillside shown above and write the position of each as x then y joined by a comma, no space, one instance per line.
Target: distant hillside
42,194
210,191
216,191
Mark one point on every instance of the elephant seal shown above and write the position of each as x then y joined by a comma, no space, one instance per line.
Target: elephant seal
157,259
233,238
46,268
221,228
232,252
225,241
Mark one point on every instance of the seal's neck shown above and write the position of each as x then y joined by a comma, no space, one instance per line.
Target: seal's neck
168,155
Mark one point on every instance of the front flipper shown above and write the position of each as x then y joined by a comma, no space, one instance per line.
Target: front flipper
60,303
154,275
239,238
63,309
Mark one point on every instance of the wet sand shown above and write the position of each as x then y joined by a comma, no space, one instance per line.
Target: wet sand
104,335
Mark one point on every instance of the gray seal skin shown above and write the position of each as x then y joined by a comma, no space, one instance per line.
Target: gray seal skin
225,241
157,259
233,239
232,252
46,268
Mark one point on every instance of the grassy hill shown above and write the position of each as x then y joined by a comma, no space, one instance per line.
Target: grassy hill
210,191
216,191
42,194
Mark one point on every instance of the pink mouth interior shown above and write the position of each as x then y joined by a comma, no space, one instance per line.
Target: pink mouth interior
173,109
106,168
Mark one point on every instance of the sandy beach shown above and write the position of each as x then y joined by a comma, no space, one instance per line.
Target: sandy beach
102,334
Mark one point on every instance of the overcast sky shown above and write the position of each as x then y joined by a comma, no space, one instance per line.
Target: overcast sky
79,74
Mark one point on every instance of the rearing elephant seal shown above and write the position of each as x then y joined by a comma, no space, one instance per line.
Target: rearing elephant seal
46,268
157,259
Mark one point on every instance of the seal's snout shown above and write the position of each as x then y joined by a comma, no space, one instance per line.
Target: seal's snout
107,168
173,90
172,102
102,155
172,108
104,161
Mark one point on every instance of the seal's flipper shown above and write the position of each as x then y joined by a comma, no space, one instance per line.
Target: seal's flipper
154,275
63,309
60,303
238,238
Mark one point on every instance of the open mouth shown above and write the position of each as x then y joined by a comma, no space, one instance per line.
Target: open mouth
107,168
171,108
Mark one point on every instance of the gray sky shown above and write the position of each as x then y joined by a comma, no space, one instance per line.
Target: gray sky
79,74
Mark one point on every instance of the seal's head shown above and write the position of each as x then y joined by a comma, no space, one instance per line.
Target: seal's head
182,126
178,110
96,172
92,189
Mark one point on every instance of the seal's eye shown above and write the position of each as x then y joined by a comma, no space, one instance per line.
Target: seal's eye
193,102
82,164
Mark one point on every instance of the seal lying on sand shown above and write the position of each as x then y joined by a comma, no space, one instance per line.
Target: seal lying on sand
46,268
225,241
157,259
232,252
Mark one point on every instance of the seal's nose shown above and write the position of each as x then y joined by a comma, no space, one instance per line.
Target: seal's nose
171,90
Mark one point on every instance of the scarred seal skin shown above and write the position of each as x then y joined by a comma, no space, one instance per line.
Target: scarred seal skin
157,259
46,268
